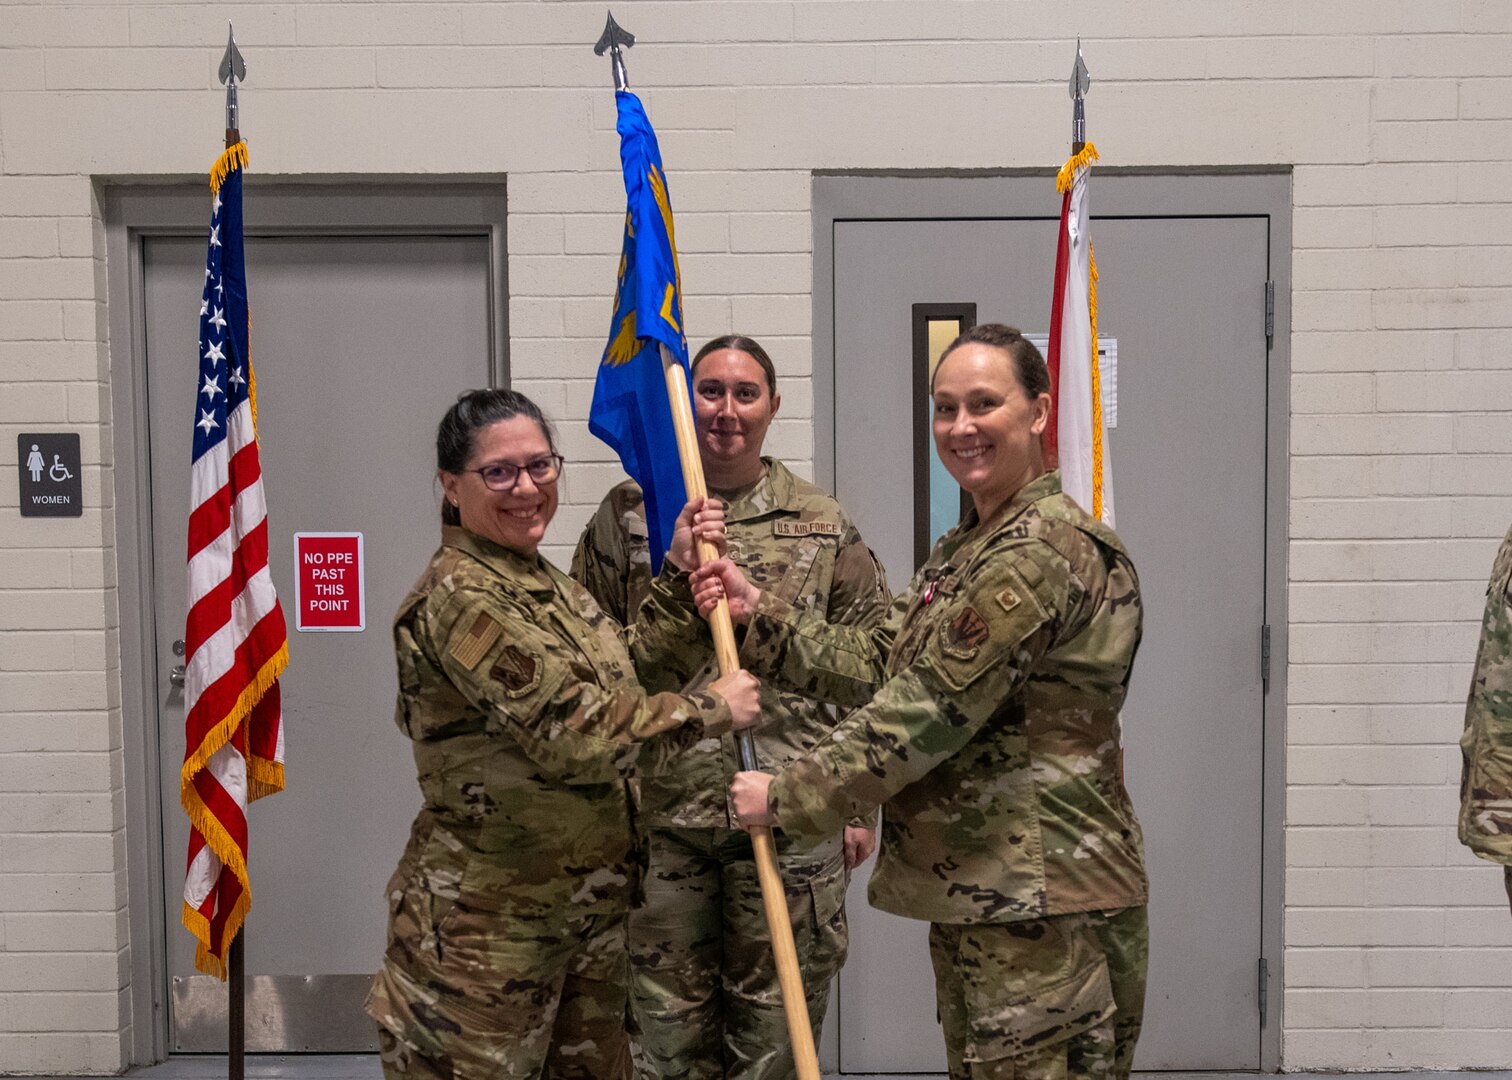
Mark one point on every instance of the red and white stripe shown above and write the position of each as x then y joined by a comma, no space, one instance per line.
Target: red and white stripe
1077,436
235,646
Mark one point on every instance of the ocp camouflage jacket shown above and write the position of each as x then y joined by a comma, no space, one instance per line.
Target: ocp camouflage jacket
989,727
789,537
521,699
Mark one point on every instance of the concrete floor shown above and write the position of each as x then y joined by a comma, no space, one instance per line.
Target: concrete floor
365,1067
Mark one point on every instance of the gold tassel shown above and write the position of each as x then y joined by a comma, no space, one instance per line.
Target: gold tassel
264,777
1068,171
204,959
235,157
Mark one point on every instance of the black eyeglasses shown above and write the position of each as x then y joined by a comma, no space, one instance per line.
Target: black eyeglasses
502,475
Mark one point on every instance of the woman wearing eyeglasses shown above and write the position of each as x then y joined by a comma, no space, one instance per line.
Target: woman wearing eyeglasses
507,954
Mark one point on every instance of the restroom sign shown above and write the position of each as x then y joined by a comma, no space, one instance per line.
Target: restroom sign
328,589
50,467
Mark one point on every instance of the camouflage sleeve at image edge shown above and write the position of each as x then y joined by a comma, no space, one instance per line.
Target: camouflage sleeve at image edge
1485,820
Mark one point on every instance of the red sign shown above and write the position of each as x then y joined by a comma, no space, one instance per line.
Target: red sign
328,591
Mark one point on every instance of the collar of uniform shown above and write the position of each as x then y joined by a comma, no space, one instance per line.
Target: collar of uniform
777,490
1041,487
530,571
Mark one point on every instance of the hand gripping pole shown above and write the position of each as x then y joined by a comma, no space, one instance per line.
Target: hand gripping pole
773,898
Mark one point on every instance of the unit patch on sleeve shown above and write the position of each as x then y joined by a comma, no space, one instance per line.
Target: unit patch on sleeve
469,649
806,528
517,671
964,635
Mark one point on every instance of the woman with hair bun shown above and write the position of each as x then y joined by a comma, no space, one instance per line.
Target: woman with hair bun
507,953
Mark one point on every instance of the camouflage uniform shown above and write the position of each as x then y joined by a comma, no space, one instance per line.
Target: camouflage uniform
989,733
506,953
1485,820
704,990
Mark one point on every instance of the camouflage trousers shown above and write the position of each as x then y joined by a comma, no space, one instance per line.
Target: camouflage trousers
704,996
1042,999
470,994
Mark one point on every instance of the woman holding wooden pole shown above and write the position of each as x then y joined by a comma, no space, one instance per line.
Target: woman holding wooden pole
987,730
705,991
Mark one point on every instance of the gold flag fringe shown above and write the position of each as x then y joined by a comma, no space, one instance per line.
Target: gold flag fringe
1078,161
235,157
261,776
1063,181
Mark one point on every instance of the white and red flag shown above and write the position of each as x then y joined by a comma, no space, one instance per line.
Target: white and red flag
235,641
1076,435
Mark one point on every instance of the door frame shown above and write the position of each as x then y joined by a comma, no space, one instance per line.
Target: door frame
136,209
914,195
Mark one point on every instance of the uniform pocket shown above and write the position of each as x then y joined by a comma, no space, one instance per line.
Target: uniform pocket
793,584
1032,985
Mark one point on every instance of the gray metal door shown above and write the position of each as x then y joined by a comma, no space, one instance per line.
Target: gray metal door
359,344
1184,298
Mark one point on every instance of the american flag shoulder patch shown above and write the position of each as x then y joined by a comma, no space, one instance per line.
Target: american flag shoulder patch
469,649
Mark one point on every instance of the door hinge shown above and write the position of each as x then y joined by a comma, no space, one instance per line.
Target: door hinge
1263,972
1270,313
1265,658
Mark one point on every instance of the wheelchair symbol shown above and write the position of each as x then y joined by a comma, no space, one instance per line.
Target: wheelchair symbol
59,472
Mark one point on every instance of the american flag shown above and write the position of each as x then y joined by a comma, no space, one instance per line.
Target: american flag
235,642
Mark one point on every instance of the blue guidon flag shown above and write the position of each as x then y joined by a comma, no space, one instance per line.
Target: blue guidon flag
630,409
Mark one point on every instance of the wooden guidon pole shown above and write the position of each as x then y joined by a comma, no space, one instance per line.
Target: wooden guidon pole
773,898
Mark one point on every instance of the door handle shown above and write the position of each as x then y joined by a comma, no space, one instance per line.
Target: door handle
176,676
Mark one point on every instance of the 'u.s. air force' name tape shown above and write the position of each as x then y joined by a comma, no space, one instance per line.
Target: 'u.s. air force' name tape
806,528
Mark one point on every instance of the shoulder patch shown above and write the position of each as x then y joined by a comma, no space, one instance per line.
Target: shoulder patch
471,647
964,636
1009,599
517,671
806,528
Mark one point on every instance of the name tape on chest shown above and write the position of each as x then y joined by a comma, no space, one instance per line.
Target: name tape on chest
471,647
806,528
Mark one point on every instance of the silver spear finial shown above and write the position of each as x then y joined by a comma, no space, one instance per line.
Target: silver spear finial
1081,81
613,37
232,68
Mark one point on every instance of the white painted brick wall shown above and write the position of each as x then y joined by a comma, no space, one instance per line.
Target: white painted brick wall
1395,116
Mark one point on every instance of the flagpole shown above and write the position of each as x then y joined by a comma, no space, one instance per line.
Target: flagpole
232,68
1081,82
764,849
773,896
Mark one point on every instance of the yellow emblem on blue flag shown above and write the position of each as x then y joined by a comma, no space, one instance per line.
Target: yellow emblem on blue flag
630,409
